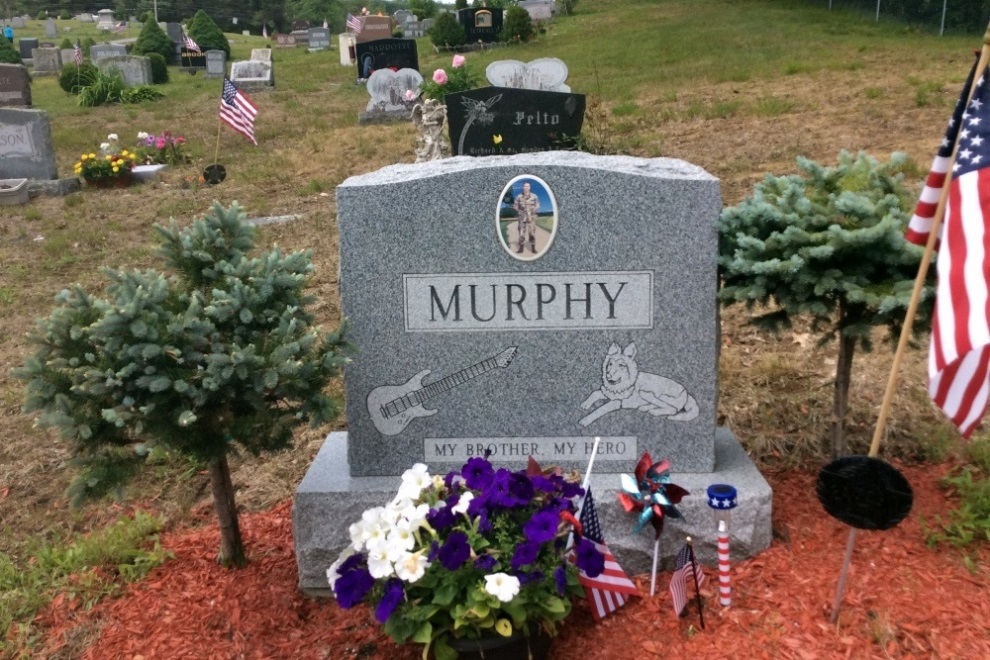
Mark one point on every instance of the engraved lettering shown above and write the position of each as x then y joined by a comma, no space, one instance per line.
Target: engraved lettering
474,307
455,302
541,301
611,299
586,300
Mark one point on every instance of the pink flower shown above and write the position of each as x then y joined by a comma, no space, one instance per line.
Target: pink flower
440,76
410,95
160,143
458,61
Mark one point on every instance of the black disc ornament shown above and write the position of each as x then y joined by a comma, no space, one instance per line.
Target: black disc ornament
214,174
864,492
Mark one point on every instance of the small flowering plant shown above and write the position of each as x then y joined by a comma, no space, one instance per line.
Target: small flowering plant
111,163
459,79
475,553
164,149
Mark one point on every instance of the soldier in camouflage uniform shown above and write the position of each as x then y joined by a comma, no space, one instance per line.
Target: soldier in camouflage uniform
527,205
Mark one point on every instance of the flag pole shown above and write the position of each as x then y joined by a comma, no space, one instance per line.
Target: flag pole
906,328
697,584
584,486
653,575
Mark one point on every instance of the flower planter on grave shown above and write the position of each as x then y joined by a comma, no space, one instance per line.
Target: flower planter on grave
141,173
13,192
515,647
119,181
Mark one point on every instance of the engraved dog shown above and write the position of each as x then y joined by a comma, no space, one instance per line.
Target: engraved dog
624,386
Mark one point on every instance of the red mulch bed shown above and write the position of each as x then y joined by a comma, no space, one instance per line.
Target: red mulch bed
903,599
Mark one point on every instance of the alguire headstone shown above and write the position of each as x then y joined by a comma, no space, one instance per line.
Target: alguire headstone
216,64
319,38
134,69
15,86
99,51
519,306
386,54
389,90
501,120
51,30
548,74
25,46
26,150
46,61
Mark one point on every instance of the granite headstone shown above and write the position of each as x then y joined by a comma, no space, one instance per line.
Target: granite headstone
539,10
216,64
68,56
26,150
523,120
374,28
46,61
18,22
319,38
261,54
134,69
252,75
285,40
388,91
546,73
481,23
192,59
99,51
174,31
15,86
414,29
347,43
300,25
403,16
386,54
468,345
51,30
25,47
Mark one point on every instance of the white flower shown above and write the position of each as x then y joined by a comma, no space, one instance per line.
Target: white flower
379,564
462,504
412,565
358,535
142,135
414,480
112,137
105,147
502,586
332,573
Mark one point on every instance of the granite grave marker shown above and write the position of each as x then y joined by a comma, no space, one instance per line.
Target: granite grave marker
216,64
46,61
174,31
470,345
25,47
15,86
374,28
523,120
261,54
252,75
134,69
388,96
18,22
51,30
68,56
481,23
539,10
386,54
319,38
26,150
192,59
285,41
99,51
546,73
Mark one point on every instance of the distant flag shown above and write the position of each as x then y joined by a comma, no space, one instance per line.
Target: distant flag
959,353
237,109
120,27
607,592
354,24
189,43
684,567
77,54
264,31
325,24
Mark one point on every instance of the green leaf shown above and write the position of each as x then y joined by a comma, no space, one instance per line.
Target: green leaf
445,593
424,633
503,627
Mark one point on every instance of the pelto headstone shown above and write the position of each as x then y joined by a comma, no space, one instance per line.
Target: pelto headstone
216,64
99,51
319,38
261,54
500,120
134,69
47,61
25,46
252,75
546,73
386,54
15,86
388,96
51,30
26,150
466,346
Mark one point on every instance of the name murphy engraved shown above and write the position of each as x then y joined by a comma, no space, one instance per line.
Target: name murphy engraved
533,301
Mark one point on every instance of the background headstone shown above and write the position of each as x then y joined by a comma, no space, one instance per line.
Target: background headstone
174,31
191,59
68,55
539,10
100,51
135,70
85,18
25,47
285,41
347,43
300,25
319,38
375,28
245,33
26,150
385,54
15,86
46,61
17,22
261,54
414,29
388,96
402,16
525,120
51,30
105,20
546,73
216,64
252,75
481,23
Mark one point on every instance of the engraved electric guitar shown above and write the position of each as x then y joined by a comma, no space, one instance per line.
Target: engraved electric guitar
392,407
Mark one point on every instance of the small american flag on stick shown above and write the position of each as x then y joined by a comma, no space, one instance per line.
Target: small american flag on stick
684,568
77,54
609,591
189,43
237,110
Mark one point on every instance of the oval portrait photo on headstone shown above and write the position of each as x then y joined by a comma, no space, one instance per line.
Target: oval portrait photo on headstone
526,218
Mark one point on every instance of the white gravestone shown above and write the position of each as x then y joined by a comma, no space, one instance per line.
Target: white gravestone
546,74
261,54
252,75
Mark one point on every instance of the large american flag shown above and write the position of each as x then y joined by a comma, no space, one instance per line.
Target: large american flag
188,42
607,592
684,567
959,354
237,110
354,24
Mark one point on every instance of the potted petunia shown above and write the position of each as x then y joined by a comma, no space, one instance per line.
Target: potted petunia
475,563
110,168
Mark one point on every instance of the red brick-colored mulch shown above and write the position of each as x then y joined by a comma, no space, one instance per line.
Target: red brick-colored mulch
903,599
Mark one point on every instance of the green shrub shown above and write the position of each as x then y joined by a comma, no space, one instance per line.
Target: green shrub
141,94
87,44
142,17
446,31
105,89
72,80
517,25
460,4
9,54
42,15
207,34
65,15
66,44
159,70
154,40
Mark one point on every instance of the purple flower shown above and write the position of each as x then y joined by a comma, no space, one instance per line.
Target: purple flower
485,562
351,587
353,563
451,479
455,551
476,506
477,473
441,518
543,484
570,490
498,493
525,553
526,578
521,488
394,594
560,579
589,559
484,522
541,527
434,550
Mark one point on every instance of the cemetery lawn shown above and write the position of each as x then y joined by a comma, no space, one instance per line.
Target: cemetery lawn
740,88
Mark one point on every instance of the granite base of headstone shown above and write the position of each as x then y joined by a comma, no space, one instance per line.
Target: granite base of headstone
134,69
517,320
15,86
46,61
26,150
501,120
252,75
385,54
388,103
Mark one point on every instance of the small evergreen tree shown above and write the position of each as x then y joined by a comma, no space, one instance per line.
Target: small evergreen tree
73,78
517,25
87,43
8,54
446,31
460,4
159,70
66,44
207,34
218,355
153,39
826,245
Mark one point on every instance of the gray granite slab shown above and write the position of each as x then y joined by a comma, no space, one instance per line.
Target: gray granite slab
135,69
100,51
252,74
25,47
26,150
216,64
47,61
329,499
604,326
15,86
